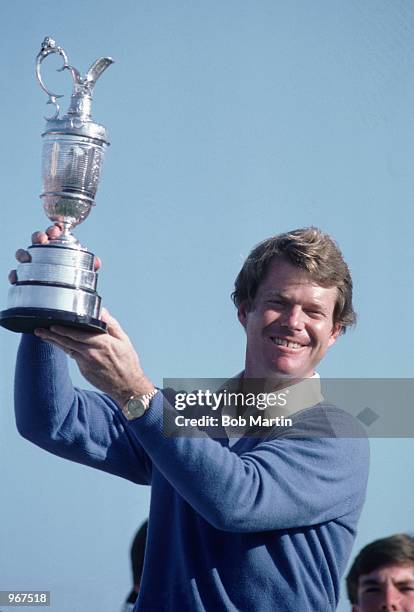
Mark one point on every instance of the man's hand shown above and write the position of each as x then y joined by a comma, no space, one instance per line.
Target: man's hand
108,361
51,233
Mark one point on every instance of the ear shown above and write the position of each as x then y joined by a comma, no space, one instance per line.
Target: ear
242,314
335,333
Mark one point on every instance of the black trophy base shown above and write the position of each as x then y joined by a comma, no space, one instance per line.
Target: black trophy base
26,320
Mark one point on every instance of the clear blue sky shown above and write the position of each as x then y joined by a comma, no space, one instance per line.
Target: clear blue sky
229,121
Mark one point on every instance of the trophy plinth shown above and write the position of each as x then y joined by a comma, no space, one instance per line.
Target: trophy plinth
58,285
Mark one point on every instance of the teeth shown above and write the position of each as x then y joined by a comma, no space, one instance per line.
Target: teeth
282,342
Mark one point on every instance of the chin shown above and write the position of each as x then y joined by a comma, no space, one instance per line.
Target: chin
282,374
292,370
288,375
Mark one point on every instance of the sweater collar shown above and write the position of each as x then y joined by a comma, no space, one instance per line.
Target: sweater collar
283,402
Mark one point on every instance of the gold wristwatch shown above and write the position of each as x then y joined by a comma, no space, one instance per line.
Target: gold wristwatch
137,405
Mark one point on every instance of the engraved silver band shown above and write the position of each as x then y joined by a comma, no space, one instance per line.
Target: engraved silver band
60,255
58,298
55,274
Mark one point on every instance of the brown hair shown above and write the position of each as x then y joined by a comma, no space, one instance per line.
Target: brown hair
309,249
396,549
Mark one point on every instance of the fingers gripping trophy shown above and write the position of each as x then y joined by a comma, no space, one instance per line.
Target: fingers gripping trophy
58,285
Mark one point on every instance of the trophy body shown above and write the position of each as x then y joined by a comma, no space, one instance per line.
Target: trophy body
58,285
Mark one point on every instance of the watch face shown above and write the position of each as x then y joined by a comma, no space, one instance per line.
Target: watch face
136,408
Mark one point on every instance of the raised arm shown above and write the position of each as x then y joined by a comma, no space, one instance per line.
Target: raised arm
83,426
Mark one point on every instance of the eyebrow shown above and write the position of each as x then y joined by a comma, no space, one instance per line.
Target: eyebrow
374,582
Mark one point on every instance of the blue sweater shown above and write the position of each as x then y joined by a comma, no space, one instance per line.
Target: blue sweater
247,525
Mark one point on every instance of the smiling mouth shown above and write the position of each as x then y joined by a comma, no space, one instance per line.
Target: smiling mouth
286,343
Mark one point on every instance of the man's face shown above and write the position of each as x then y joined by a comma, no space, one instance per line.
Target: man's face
290,325
389,588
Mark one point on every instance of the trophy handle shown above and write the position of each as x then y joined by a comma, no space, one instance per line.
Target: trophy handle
49,46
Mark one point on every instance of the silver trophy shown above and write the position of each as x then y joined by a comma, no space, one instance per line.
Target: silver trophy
58,286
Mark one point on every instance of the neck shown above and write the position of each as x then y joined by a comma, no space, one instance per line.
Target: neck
271,382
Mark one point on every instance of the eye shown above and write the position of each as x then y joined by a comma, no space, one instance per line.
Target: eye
315,314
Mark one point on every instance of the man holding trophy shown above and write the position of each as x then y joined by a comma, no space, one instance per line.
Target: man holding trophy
255,523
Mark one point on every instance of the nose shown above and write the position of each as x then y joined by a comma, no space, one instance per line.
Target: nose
391,607
293,317
391,600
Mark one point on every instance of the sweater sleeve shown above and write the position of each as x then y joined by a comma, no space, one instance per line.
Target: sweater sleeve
280,483
83,426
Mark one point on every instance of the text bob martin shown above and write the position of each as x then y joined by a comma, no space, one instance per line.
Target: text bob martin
228,421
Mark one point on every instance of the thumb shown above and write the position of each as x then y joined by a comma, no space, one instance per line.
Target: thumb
114,328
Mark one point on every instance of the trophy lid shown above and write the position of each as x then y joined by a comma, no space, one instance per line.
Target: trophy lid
78,120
